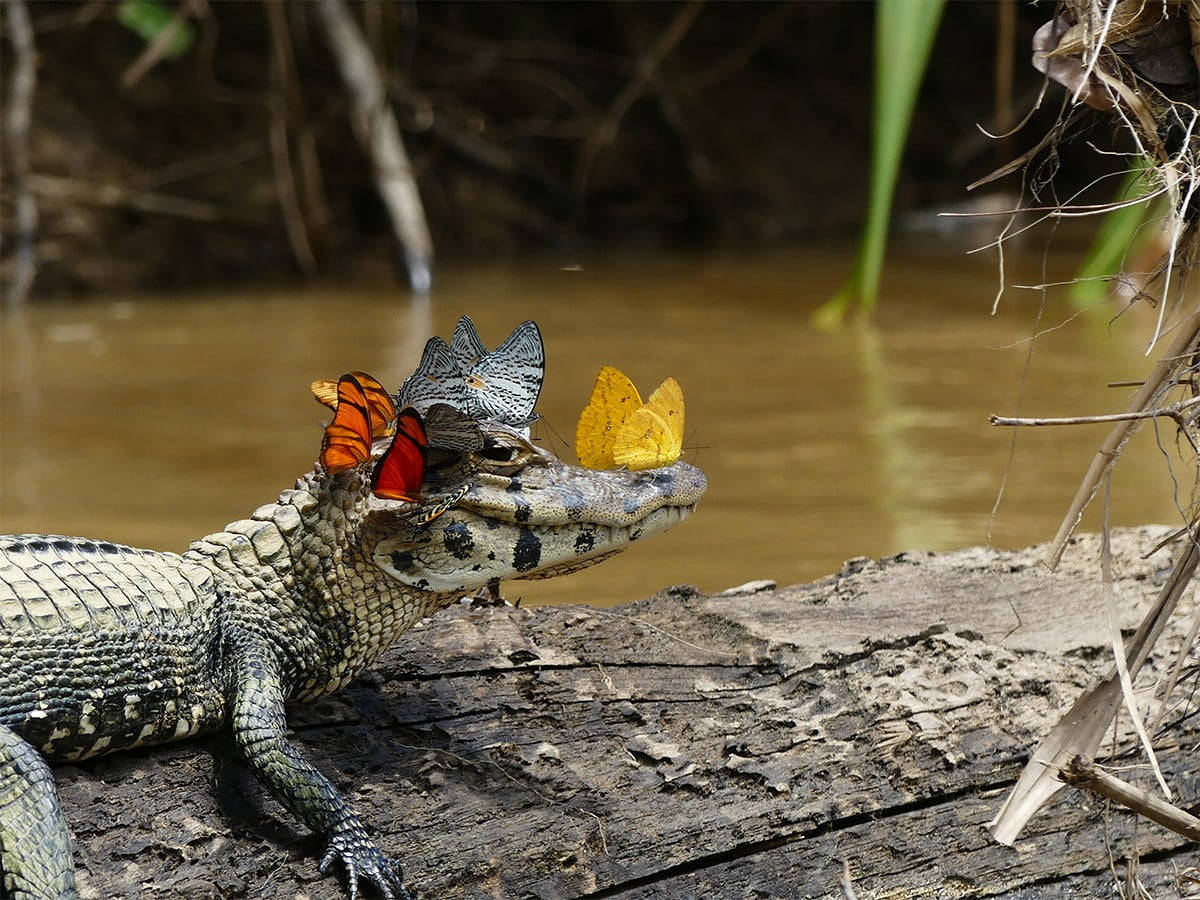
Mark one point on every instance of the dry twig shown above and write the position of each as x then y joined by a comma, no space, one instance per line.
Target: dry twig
1082,773
606,132
379,133
1110,449
1174,411
16,127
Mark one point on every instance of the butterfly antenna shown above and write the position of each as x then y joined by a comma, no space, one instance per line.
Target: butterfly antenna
696,448
558,438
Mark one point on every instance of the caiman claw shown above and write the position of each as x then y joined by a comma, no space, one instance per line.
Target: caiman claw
364,860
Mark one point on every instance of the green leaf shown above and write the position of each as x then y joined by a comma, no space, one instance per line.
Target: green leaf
904,32
1120,234
148,18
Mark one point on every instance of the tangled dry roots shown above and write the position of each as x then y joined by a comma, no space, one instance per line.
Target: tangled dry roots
1139,60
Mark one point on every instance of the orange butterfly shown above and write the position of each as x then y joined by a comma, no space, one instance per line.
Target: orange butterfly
364,411
400,472
347,440
379,404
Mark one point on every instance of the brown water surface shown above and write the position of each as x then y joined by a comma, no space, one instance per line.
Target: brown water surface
155,421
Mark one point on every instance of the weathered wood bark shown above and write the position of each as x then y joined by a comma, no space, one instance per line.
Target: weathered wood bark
686,746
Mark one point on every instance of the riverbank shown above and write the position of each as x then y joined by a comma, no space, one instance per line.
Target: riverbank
865,726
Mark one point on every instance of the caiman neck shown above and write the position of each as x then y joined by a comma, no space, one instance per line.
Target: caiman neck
299,575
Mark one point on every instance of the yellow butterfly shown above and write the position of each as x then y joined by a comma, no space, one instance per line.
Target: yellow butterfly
617,429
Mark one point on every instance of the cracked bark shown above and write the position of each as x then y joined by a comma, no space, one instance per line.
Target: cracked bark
875,716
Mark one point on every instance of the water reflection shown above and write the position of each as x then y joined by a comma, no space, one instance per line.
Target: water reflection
156,421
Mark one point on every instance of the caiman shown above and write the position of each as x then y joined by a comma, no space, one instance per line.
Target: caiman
105,647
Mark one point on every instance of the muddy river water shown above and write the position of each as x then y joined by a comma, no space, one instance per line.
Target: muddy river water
153,421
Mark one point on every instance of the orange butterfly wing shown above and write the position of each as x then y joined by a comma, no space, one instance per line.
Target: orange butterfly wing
347,439
325,391
379,404
402,469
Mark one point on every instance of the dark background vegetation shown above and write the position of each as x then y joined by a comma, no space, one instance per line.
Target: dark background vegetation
755,130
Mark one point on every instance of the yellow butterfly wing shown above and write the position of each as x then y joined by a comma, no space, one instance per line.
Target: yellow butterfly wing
646,441
614,399
667,401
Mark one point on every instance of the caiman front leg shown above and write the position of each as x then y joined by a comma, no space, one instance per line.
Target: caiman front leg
35,845
259,726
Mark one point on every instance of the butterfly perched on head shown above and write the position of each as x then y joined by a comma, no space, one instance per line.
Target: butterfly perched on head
362,412
503,385
617,429
401,471
362,390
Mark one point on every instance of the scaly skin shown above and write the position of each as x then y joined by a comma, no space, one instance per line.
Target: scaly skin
104,647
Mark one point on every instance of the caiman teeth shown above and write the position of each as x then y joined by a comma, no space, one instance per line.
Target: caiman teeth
680,512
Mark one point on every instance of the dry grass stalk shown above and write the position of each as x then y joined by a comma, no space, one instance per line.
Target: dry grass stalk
1083,773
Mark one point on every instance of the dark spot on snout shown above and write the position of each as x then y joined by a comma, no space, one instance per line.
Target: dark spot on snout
458,541
521,510
584,541
635,534
528,552
402,560
574,504
664,481
514,486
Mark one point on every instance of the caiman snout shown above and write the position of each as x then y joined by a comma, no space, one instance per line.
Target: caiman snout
558,494
546,520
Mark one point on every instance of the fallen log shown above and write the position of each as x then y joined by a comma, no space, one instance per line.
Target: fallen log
849,736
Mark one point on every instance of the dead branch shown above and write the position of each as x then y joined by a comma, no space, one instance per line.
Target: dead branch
1080,730
605,132
115,195
282,73
1110,450
379,133
1082,773
768,26
1170,412
16,126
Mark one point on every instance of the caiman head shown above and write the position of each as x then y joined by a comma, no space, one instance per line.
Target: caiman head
491,505
525,514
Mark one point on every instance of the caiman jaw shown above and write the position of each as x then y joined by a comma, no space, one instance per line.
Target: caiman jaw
548,519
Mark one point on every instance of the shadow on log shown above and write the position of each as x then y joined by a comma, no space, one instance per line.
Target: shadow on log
711,746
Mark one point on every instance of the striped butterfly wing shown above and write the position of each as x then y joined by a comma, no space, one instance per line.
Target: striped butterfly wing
399,474
614,399
347,440
379,404
450,428
437,379
430,512
466,349
505,383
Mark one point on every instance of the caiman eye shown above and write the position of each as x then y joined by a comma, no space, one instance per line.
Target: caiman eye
500,454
